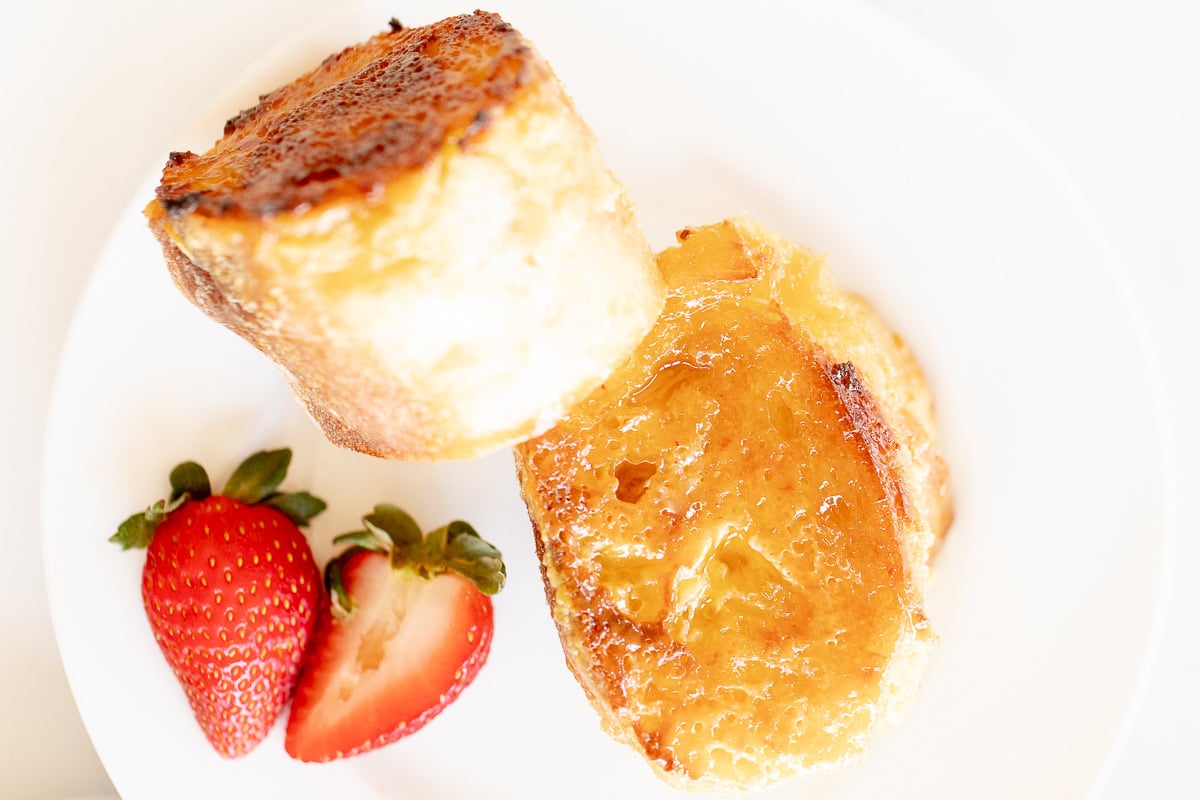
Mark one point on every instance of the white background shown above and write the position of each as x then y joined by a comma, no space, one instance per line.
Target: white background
1112,87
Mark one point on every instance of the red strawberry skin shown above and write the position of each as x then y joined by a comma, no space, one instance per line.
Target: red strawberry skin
409,648
232,592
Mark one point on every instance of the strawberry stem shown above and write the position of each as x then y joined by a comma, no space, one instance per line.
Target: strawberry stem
254,481
455,547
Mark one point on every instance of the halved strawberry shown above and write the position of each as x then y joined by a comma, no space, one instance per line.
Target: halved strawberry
408,627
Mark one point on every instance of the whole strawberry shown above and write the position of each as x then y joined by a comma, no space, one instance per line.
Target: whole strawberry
231,592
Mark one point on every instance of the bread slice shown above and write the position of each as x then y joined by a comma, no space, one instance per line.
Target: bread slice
735,528
421,233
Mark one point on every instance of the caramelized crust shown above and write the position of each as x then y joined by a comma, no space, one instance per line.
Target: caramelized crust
363,117
731,546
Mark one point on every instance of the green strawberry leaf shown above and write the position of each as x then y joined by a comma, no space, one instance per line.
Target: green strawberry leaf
258,476
300,507
400,551
433,550
136,531
340,602
471,556
488,575
189,478
396,524
366,539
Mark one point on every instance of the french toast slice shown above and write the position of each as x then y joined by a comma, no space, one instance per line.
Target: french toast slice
735,528
421,233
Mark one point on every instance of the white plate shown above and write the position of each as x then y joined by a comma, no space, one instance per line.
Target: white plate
847,133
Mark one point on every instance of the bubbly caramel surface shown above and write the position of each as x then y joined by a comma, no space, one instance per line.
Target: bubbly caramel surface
721,530
364,116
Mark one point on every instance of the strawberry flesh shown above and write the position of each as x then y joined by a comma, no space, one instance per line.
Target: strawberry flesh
406,652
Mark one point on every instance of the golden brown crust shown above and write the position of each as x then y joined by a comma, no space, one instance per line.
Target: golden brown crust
734,529
363,117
